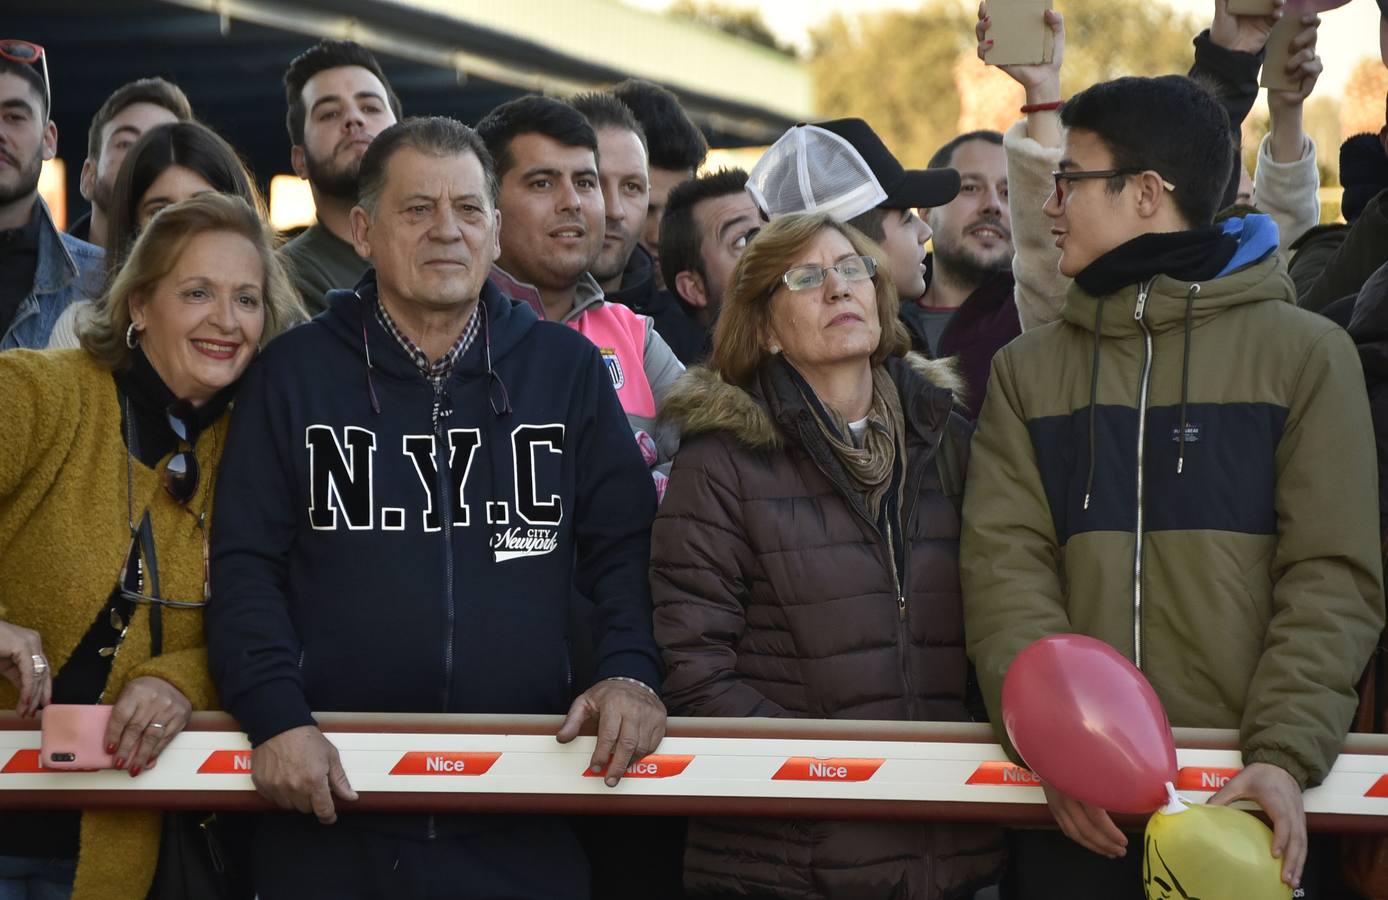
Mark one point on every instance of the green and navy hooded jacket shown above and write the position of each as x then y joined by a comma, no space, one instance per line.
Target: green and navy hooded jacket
1185,469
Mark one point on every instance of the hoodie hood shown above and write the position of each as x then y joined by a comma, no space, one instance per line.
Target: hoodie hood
1252,273
351,318
702,402
1258,238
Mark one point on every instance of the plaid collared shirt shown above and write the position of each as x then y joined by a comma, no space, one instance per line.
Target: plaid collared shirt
442,367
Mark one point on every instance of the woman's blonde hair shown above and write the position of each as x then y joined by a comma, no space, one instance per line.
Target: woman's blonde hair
745,320
102,326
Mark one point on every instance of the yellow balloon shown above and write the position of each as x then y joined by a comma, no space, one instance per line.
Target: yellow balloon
1197,852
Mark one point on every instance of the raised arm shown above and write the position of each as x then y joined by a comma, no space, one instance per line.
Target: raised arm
1287,182
1033,151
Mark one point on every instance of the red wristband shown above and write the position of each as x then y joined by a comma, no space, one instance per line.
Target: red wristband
1042,107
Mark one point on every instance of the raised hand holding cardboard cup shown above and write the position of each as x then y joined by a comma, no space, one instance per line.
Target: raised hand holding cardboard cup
1280,73
1019,34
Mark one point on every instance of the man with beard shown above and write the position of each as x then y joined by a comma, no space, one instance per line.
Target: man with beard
709,221
552,211
624,269
42,270
128,113
551,204
968,309
339,100
676,146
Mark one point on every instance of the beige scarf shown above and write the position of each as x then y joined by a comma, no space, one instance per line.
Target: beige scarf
870,466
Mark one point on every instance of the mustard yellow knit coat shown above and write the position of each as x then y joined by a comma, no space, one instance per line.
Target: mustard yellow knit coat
64,536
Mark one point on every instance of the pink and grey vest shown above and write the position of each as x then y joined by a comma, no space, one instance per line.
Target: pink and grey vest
621,337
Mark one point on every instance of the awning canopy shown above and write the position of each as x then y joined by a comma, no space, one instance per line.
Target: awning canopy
446,57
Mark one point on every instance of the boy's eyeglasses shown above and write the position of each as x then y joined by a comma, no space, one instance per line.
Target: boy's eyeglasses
29,54
1078,175
854,268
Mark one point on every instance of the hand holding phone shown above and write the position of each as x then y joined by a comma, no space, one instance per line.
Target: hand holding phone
74,737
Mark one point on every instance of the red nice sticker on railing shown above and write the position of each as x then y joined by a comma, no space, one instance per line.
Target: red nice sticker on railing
227,762
1003,773
25,762
811,768
423,762
1380,788
650,767
1200,778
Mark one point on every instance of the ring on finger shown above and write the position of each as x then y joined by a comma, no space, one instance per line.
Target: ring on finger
155,725
40,664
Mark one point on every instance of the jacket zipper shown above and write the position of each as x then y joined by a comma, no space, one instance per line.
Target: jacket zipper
911,489
896,528
896,575
445,502
1141,449
903,638
904,519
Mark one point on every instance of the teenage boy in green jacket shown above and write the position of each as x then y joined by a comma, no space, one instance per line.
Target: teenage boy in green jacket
1182,466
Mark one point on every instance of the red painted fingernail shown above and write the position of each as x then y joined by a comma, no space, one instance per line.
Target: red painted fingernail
120,763
110,748
135,770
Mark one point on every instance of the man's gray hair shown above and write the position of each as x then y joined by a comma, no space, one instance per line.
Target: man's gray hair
433,136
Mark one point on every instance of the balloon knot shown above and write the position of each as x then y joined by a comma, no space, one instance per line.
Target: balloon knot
1174,802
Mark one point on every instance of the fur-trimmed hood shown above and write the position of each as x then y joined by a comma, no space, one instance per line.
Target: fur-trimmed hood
701,402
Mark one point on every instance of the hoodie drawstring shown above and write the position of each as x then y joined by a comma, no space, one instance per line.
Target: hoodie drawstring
504,407
497,395
366,348
1185,377
1094,397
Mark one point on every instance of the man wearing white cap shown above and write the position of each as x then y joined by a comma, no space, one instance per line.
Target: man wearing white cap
842,168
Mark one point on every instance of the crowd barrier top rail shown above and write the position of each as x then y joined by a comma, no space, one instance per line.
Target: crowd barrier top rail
726,767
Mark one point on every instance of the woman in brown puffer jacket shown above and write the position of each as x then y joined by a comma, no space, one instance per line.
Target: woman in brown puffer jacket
805,559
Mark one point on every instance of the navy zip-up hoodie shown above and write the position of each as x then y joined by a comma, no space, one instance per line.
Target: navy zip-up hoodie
349,575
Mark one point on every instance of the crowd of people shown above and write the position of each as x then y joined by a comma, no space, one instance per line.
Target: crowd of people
539,418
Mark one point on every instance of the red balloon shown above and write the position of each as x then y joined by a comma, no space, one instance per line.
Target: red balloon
1086,721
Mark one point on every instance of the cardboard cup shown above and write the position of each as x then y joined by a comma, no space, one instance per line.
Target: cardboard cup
1019,33
1279,50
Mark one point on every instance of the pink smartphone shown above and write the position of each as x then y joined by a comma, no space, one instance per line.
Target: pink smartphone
74,737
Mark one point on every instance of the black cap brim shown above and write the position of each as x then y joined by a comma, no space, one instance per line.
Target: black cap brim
923,187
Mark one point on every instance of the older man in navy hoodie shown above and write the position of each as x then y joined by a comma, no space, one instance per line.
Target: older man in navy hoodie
413,484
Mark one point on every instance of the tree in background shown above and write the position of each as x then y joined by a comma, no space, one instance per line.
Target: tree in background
742,23
904,71
894,69
1363,106
1330,120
